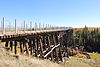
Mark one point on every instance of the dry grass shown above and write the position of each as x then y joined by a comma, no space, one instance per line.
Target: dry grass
8,60
95,56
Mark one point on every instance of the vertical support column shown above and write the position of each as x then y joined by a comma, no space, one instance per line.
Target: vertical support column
30,26
35,44
46,27
43,27
36,47
60,54
24,26
21,48
15,26
0,43
31,46
3,26
11,45
49,43
15,47
36,26
44,43
27,50
56,54
39,26
6,44
41,47
9,26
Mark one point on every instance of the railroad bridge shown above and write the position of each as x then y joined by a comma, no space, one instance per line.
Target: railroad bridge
46,44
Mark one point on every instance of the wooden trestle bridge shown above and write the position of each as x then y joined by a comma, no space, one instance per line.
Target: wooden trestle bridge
49,44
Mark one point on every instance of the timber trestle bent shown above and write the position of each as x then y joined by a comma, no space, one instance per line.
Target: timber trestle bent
47,45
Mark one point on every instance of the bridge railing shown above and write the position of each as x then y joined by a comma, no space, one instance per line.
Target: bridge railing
15,26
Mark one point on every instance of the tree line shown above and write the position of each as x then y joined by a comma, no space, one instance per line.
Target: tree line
85,39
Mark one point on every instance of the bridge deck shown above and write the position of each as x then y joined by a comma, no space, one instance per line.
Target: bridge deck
21,33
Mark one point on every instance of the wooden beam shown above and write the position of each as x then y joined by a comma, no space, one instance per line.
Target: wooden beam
6,44
0,43
27,49
21,48
51,50
41,48
11,45
15,47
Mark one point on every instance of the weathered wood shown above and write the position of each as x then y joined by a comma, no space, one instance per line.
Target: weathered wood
44,43
55,50
51,50
15,47
41,48
60,55
0,43
49,43
27,50
11,45
33,47
6,44
21,48
36,47
41,44
30,46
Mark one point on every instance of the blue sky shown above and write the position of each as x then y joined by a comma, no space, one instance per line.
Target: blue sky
74,13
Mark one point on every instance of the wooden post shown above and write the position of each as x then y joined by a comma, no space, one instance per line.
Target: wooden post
0,43
49,43
15,47
56,38
56,54
31,46
41,48
6,45
36,48
11,44
21,48
44,43
27,50
60,55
